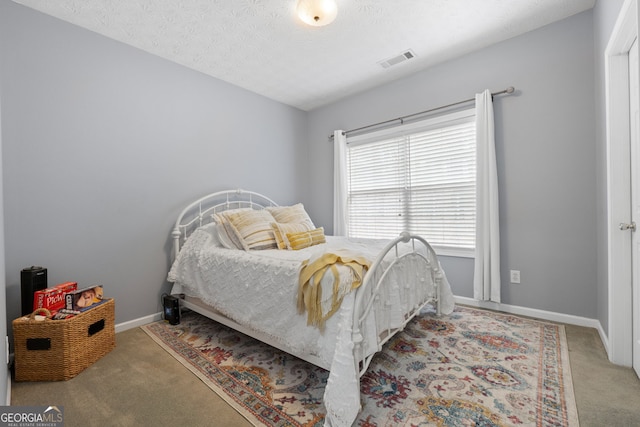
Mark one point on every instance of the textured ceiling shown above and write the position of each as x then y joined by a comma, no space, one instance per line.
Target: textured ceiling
261,46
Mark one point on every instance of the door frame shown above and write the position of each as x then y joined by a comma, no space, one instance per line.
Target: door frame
620,332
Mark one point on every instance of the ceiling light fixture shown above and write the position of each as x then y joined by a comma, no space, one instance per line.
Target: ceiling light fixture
317,12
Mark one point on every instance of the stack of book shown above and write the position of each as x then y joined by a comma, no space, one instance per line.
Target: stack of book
66,300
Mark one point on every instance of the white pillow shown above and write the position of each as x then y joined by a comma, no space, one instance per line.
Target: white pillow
291,214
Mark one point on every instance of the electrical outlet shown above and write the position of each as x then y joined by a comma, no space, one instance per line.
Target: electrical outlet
515,276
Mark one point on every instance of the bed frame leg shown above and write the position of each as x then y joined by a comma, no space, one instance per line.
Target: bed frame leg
438,302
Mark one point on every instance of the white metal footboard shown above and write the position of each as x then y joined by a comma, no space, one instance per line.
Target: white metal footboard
375,293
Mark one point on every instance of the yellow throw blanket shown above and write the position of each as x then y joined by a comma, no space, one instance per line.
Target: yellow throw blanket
310,289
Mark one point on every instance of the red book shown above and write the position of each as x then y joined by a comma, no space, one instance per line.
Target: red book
53,298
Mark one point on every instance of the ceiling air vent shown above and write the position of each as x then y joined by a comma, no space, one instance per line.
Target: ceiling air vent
397,59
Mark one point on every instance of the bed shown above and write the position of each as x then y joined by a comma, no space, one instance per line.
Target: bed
331,301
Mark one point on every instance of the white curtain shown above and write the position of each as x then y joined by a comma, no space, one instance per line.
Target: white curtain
486,280
340,223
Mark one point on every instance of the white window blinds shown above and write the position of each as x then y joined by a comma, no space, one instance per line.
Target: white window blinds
419,178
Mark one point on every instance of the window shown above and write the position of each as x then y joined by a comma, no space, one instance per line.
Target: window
420,178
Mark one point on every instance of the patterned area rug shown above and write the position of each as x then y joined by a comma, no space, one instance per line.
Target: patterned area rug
471,368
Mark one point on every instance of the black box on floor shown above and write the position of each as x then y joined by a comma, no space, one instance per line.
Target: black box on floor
171,306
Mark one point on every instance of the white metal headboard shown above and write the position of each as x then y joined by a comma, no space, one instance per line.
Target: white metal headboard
200,212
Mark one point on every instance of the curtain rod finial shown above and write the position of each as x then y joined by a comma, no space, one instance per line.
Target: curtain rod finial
510,89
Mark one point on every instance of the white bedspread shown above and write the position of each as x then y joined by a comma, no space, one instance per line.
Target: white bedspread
258,289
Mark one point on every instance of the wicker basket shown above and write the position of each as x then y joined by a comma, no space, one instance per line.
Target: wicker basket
56,350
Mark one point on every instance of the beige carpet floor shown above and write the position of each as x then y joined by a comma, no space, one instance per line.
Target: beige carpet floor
140,384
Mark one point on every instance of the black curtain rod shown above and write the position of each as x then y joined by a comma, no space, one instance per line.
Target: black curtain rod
508,90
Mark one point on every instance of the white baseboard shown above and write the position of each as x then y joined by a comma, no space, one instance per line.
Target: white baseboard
505,308
121,327
539,314
530,312
605,340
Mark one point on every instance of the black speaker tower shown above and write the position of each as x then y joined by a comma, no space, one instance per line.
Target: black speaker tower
31,279
171,307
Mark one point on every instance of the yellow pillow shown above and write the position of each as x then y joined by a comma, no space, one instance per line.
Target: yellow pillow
252,228
282,229
306,238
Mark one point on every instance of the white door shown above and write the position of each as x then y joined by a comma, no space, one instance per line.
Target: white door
634,109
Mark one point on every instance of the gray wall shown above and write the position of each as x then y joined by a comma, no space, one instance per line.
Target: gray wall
545,152
105,144
4,373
